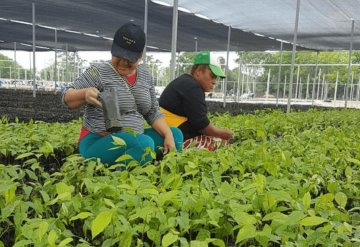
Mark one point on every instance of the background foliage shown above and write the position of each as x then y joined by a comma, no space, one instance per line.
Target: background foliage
287,180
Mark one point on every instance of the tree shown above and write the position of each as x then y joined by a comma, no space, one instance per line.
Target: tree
306,60
68,67
11,70
153,65
185,62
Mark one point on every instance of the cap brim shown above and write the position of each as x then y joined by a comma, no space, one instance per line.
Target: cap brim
217,71
118,51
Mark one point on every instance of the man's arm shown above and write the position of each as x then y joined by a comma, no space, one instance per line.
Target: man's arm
212,130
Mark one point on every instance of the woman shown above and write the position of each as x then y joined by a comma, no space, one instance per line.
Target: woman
136,101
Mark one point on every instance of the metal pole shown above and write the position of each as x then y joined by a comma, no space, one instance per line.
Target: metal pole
358,90
284,87
318,85
196,44
15,62
336,85
279,74
293,56
307,87
349,65
268,84
145,29
297,83
66,74
227,65
243,84
173,40
239,75
34,50
55,65
351,86
322,88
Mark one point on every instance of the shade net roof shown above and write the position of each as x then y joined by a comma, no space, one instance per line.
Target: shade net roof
323,24
101,18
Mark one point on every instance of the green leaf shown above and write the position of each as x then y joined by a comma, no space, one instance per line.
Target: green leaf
312,221
352,160
24,155
171,196
9,209
183,242
203,235
307,200
47,148
341,199
118,141
295,217
243,218
348,172
63,187
10,194
214,214
52,238
65,242
43,227
101,222
124,157
169,239
109,203
276,216
151,192
197,243
154,236
126,239
82,215
23,243
217,242
260,181
45,196
247,232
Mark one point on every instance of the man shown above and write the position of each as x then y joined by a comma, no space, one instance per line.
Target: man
183,104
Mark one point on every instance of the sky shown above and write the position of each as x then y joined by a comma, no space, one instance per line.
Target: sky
44,59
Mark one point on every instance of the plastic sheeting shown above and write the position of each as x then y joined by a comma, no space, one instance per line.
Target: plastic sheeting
102,18
323,24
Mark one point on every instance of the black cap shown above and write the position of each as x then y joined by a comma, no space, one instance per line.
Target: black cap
129,42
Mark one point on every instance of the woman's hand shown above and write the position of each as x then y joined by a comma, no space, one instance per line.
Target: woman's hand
75,98
92,95
163,129
169,142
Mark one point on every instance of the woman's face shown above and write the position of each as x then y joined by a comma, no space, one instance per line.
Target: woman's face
123,66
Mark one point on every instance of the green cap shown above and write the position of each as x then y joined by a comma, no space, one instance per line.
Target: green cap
204,57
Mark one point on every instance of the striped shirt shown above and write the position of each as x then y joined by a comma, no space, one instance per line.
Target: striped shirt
136,102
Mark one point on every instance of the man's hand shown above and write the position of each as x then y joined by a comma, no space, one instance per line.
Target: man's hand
226,134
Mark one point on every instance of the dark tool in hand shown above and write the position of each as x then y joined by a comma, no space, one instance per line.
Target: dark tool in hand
109,101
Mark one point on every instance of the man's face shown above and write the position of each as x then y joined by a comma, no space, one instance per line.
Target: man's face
206,79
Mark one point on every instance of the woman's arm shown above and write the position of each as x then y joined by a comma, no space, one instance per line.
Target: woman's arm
163,129
75,98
